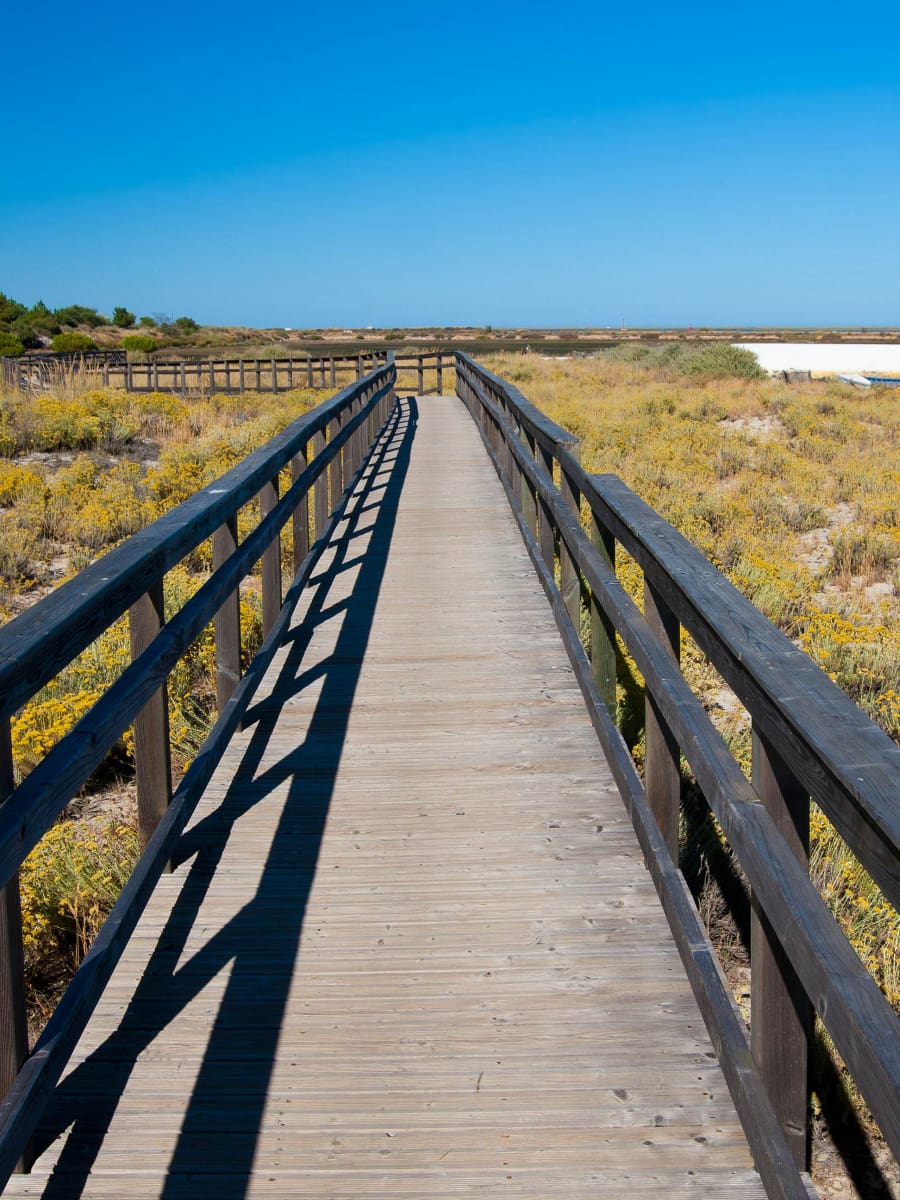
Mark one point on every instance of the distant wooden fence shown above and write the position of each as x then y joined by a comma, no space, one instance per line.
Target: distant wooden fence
424,372
809,741
28,372
326,450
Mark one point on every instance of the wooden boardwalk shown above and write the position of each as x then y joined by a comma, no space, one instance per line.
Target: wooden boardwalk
410,948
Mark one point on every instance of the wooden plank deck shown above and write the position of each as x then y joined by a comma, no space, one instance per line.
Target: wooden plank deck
411,949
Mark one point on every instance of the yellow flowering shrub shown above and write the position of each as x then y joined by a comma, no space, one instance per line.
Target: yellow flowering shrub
19,483
871,924
70,881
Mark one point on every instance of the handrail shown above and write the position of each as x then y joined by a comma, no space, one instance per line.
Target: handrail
36,645
791,921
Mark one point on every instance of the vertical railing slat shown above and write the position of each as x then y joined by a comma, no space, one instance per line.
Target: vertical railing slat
335,473
13,1012
780,1013
270,570
153,769
569,581
545,517
603,634
320,488
300,517
662,767
227,622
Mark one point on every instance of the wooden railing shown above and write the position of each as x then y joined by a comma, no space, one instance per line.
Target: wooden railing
25,372
423,372
326,450
809,741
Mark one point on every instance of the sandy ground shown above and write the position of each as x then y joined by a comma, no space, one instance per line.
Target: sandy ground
813,356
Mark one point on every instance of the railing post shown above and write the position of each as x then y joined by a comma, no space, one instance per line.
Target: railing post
603,634
300,519
152,764
780,1012
420,375
227,622
569,582
347,448
440,374
662,767
320,488
334,470
529,504
270,571
13,1013
359,367
545,517
309,371
274,377
241,375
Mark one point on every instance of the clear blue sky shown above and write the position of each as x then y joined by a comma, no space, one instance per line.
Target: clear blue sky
484,163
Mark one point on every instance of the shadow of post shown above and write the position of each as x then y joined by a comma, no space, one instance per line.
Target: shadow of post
220,1131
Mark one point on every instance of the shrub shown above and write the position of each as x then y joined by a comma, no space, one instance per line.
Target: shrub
721,360
147,323
78,314
10,344
70,881
186,324
72,342
139,341
10,309
42,320
122,317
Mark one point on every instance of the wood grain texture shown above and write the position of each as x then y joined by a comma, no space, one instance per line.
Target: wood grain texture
410,947
152,763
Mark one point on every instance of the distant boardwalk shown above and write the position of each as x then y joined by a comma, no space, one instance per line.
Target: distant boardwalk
412,949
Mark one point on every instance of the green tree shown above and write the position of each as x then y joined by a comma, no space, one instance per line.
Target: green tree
122,317
186,324
42,320
10,309
9,344
23,329
147,323
79,314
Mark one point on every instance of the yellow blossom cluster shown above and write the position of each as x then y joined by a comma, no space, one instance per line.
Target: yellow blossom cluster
70,881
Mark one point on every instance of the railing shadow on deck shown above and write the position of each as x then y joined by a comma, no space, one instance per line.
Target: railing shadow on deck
318,460
232,1086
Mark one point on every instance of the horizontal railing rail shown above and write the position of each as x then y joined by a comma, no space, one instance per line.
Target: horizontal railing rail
799,954
326,450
